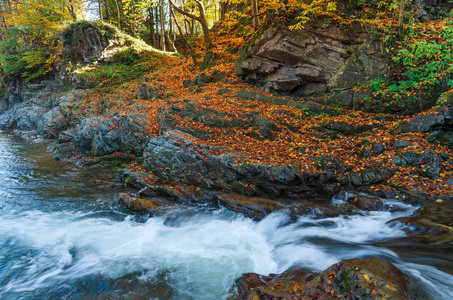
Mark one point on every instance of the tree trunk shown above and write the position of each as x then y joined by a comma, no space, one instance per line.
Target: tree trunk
192,53
151,26
201,19
73,14
119,16
256,20
100,11
162,26
107,14
401,17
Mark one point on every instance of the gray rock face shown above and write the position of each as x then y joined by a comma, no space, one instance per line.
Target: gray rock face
366,177
57,119
428,162
78,81
173,156
22,117
313,61
103,136
431,9
425,123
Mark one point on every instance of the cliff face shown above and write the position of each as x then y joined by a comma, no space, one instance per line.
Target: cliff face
322,61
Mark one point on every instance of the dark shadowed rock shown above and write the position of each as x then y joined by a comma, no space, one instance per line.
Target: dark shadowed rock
348,129
366,202
425,123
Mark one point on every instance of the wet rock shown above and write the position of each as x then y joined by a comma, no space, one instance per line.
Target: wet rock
153,206
248,282
251,207
432,223
119,133
425,123
367,278
364,202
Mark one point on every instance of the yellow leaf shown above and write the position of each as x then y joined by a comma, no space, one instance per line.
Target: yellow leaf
391,287
367,278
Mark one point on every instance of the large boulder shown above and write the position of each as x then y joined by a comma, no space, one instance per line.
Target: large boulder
367,278
425,123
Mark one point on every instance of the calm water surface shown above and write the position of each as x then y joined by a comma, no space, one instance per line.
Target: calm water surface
62,236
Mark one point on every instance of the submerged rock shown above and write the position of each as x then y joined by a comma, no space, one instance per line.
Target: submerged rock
367,278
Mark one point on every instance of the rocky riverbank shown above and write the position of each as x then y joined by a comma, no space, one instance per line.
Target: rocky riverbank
208,137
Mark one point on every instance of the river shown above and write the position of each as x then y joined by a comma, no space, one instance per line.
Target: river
62,236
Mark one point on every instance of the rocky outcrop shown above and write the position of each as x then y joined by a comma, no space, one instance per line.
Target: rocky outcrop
107,135
83,42
425,123
23,116
316,61
428,163
426,10
174,156
367,278
61,116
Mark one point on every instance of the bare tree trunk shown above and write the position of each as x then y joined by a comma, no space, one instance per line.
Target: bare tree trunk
100,11
201,19
151,26
256,20
192,53
162,26
119,16
74,16
401,17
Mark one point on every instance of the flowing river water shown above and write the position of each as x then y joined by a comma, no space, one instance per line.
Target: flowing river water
62,236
